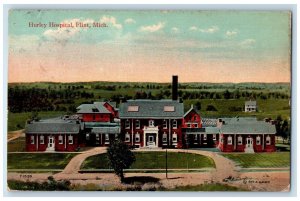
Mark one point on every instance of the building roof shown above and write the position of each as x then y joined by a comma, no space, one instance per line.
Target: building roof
99,124
52,127
252,127
106,130
96,107
151,109
251,103
191,109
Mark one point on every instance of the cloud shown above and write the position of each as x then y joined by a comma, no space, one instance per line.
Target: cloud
231,33
193,28
153,28
66,32
175,30
212,29
111,21
130,21
248,43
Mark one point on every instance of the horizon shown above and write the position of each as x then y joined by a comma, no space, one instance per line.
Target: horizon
150,46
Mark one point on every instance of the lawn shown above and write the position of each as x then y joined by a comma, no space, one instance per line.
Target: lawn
207,187
38,160
261,160
16,121
16,145
155,160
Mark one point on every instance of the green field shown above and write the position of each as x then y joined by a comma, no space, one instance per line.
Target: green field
16,121
261,160
155,160
38,160
16,145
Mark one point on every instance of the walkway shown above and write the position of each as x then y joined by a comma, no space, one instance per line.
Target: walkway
224,167
15,134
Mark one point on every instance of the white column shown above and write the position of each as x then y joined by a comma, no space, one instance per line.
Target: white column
37,142
144,139
132,132
65,141
157,139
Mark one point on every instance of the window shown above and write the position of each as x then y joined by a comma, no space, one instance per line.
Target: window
174,137
133,108
60,139
268,140
174,124
87,136
258,140
97,138
151,123
196,125
127,137
137,123
240,140
165,125
169,108
189,125
214,137
70,139
32,139
42,139
204,137
165,137
127,124
137,137
106,137
196,137
229,140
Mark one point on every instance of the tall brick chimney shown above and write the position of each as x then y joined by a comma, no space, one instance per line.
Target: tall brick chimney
175,87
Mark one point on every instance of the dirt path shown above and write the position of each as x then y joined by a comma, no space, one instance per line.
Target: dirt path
225,168
14,135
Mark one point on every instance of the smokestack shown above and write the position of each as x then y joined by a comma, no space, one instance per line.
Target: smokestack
175,87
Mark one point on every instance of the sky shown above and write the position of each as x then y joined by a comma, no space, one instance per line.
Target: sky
149,46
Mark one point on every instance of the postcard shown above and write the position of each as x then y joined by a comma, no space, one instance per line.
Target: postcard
149,100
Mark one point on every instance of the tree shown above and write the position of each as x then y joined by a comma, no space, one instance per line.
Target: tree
198,105
120,157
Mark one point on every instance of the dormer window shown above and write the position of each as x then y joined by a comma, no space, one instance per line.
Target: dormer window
151,123
133,108
169,108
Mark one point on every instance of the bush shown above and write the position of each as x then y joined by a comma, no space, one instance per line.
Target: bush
211,108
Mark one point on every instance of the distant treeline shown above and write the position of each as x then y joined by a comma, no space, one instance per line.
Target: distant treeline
61,98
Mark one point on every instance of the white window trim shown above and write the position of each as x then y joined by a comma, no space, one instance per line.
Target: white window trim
258,142
137,137
165,137
127,124
165,124
204,136
214,137
70,139
240,140
229,140
137,124
174,137
60,139
268,140
174,123
151,123
127,137
32,141
106,137
42,139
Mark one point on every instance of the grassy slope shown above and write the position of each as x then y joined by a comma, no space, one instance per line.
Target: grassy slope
154,160
15,119
38,160
16,145
272,160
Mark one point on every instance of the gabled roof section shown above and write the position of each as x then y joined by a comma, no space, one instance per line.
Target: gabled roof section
252,103
191,109
96,107
52,127
251,127
151,109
